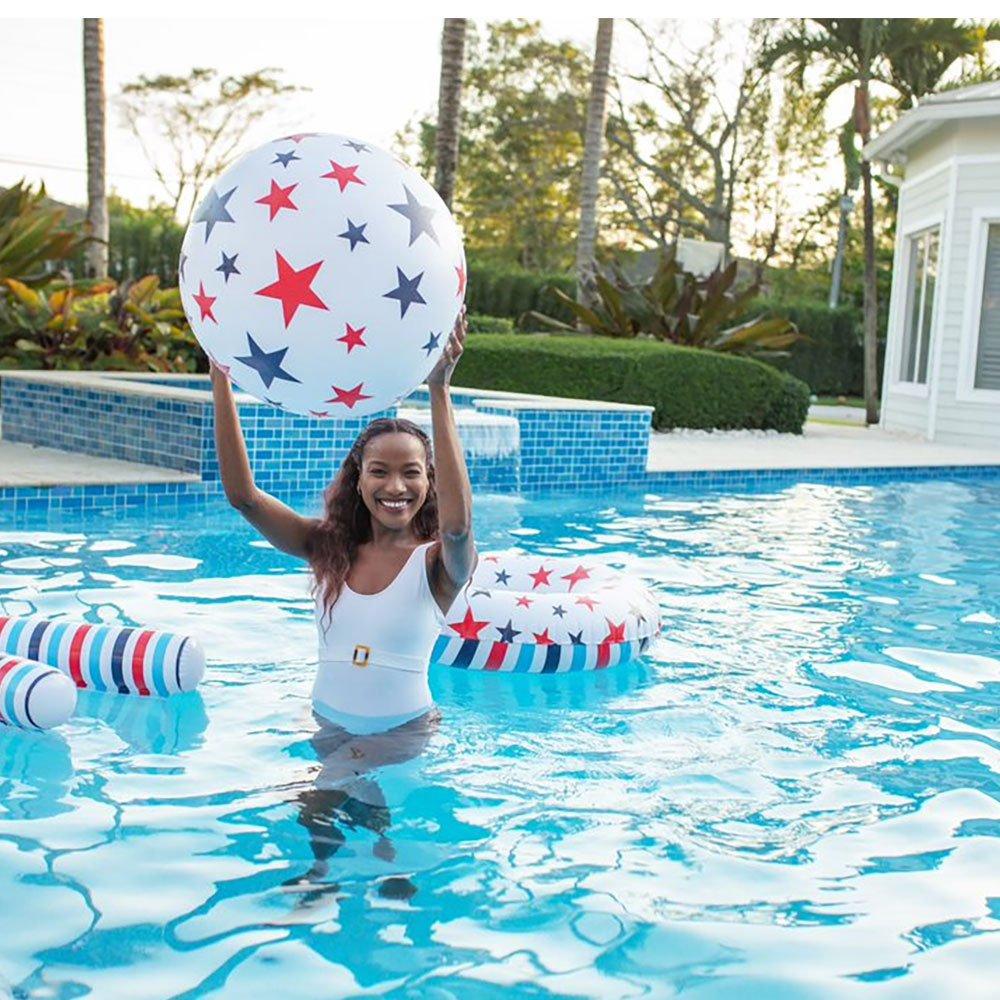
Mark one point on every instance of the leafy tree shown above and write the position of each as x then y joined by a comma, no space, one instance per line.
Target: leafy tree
521,147
201,118
679,153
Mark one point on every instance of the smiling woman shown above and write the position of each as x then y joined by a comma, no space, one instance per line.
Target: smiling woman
389,555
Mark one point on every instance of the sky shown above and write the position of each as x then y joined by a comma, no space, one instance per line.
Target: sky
367,78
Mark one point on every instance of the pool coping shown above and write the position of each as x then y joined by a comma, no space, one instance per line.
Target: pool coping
150,384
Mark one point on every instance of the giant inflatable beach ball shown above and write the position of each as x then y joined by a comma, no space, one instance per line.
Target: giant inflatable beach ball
324,274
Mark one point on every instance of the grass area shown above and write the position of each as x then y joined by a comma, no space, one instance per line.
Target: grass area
840,401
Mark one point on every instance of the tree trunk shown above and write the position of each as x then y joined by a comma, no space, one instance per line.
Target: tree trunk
837,277
96,255
449,107
593,150
871,290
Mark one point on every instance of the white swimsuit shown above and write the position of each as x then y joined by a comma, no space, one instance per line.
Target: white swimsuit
375,651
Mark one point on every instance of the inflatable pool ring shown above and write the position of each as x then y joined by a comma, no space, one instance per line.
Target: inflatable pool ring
115,658
323,275
33,695
543,615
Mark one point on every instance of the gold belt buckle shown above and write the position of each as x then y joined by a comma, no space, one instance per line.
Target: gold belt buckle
361,654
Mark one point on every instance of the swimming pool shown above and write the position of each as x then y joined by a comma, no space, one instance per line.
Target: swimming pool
796,794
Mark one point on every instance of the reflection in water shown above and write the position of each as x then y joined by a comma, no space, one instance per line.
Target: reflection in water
149,725
344,793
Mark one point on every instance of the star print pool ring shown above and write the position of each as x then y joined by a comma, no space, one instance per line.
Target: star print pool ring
543,615
323,275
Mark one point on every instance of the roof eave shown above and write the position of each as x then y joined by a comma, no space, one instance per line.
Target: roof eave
892,144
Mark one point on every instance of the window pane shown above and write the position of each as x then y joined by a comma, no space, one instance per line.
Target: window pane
988,354
914,273
930,283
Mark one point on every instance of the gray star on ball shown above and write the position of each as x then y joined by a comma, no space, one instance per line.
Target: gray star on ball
358,147
419,216
432,342
213,210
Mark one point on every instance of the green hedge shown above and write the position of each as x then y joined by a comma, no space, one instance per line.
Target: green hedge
508,291
686,387
831,361
478,323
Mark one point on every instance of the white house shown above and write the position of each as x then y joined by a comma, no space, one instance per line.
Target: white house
942,362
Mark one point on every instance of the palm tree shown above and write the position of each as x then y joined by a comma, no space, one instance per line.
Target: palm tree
449,107
909,54
593,150
96,255
922,50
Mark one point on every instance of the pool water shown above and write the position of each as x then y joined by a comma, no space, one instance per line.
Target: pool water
797,794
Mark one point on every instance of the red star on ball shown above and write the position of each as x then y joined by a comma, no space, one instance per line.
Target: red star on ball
298,137
576,576
353,337
468,627
319,413
491,559
293,288
540,576
343,175
460,271
524,602
543,638
616,633
205,302
278,198
588,601
348,396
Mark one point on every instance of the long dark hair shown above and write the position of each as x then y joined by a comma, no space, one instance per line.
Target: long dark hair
346,521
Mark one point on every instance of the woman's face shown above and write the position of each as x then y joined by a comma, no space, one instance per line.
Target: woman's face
393,479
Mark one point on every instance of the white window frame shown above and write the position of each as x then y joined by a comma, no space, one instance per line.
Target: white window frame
972,314
921,390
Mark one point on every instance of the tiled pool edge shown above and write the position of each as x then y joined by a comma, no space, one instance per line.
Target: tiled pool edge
55,502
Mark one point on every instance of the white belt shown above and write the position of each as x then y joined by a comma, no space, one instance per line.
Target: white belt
363,656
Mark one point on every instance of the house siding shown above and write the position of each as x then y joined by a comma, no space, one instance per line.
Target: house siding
970,421
923,199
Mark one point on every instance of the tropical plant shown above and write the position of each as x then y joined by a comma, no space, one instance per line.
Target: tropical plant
593,149
675,305
32,236
449,107
95,326
94,104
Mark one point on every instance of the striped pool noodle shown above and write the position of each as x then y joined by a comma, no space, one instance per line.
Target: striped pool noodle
114,658
33,695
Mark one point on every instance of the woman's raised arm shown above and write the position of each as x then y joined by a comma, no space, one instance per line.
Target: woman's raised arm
279,524
454,493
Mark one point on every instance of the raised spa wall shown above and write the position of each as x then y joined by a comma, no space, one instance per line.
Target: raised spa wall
512,442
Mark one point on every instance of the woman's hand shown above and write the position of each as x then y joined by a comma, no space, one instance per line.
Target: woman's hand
441,372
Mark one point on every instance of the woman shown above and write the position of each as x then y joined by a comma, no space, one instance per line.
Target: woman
389,555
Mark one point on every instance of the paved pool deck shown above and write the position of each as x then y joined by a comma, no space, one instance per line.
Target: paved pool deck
821,446
28,465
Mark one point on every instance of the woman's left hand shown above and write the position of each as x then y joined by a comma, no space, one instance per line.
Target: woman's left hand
441,373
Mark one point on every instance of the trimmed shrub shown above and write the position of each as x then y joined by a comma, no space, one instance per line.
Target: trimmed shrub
685,386
510,292
489,324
